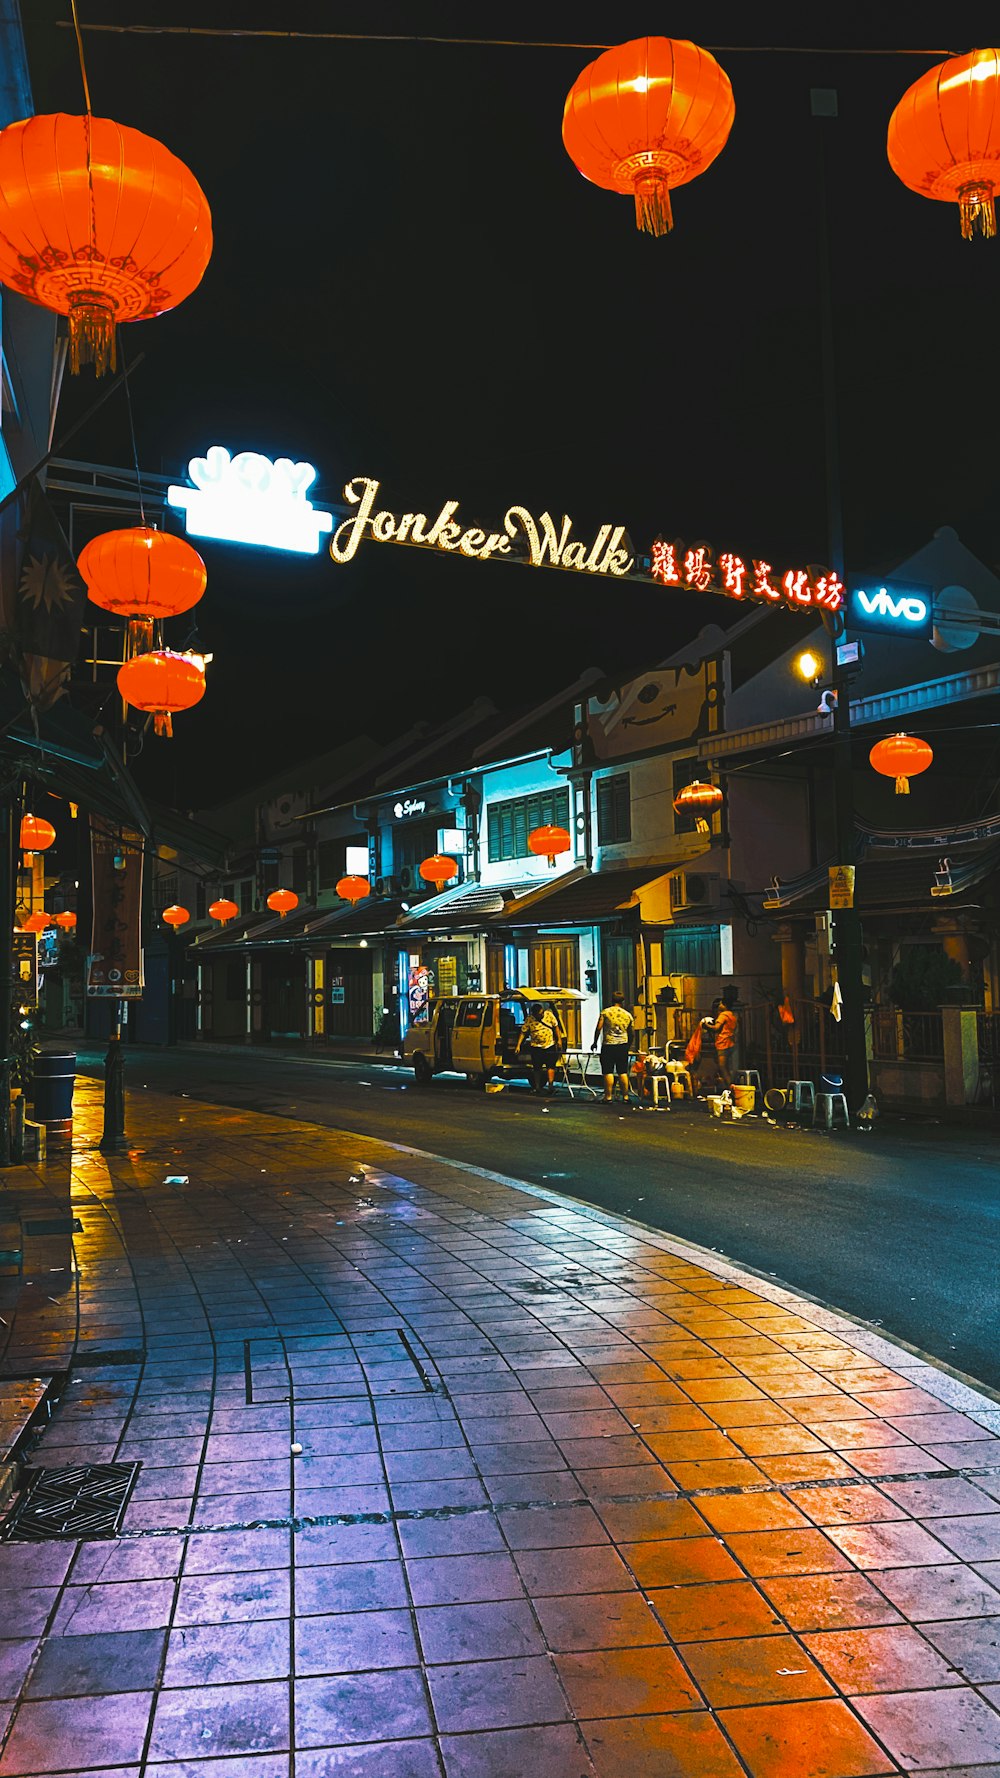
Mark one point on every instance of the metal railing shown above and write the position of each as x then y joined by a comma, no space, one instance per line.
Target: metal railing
907,1036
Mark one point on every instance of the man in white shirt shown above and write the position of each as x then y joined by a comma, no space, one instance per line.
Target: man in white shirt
615,1029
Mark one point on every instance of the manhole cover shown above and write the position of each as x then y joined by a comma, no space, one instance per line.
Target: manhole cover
87,1500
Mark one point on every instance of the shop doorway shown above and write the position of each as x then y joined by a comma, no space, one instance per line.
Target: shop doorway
555,963
618,973
284,997
348,994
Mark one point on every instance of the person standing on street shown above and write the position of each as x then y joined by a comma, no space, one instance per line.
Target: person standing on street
550,1017
724,1031
614,1029
540,1036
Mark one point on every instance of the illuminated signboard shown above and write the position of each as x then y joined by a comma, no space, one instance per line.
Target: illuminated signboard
696,568
410,807
892,607
249,499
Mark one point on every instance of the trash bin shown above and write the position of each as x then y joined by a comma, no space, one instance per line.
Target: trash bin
55,1073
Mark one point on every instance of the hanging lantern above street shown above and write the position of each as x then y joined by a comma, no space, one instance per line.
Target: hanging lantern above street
353,889
223,910
282,901
175,916
645,117
66,921
944,137
36,922
143,575
37,835
99,223
700,800
162,683
548,841
901,757
438,869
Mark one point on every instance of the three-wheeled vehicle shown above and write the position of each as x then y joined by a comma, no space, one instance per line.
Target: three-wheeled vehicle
477,1034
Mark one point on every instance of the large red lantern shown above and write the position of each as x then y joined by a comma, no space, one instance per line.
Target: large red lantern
175,916
901,757
99,223
36,922
162,683
700,800
438,869
282,901
547,842
353,889
944,137
223,910
66,921
143,575
645,117
36,835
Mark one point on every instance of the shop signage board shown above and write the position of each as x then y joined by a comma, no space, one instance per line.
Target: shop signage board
447,975
336,990
891,607
250,499
114,966
841,886
24,987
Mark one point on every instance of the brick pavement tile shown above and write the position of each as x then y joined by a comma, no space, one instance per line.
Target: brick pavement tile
501,1694
460,1580
553,1749
94,1666
641,1395
749,1413
16,1656
121,1605
934,1728
948,1591
754,1670
881,1660
53,1735
982,1452
801,1550
939,1496
383,1759
627,1682
646,1479
233,1598
199,1721
975,1537
544,1485
811,1467
680,1560
597,1620
971,1645
470,1534
424,1496
349,1586
323,1502
829,1601
724,1608
860,1435
593,1453
650,1521
354,1642
560,1527
897,1460
756,1511
29,1565
859,1504
426,1466
157,1558
724,1389
942,1427
324,1544
732,1472
504,1629
820,1739
990,1484
788,1439
900,1545
519,1458
218,1654
684,1745
232,1552
594,1568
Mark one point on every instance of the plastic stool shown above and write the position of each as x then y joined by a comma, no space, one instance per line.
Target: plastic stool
749,1077
828,1107
802,1096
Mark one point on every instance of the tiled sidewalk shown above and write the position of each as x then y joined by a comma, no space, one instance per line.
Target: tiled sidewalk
571,1498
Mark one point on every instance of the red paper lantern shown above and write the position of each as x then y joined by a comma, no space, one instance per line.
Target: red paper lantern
700,800
100,223
944,137
36,922
175,916
548,841
281,901
438,869
66,920
36,835
353,889
647,116
143,575
162,683
223,910
901,757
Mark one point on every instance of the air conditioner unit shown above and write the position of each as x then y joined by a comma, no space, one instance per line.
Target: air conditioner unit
692,892
408,879
387,885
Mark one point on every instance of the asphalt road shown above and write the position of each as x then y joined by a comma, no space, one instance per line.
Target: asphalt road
900,1228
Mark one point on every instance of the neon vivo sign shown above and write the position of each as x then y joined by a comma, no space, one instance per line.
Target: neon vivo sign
249,499
539,541
909,608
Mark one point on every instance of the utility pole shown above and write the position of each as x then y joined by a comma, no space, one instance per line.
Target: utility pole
847,934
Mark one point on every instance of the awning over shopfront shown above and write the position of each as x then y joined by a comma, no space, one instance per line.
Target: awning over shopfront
234,936
920,881
371,918
580,898
467,905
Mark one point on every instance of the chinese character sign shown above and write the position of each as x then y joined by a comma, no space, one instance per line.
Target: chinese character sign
114,967
699,569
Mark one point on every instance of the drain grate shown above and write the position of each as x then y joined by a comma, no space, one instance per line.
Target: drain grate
87,1500
52,1225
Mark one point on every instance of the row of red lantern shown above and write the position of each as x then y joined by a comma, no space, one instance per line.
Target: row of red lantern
145,576
38,921
652,114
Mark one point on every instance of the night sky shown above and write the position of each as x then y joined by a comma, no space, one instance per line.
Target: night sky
411,281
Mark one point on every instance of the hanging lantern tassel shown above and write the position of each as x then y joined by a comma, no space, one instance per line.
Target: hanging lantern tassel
163,725
902,786
92,333
977,211
653,214
140,636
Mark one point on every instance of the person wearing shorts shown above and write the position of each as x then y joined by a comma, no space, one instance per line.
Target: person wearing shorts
540,1038
614,1030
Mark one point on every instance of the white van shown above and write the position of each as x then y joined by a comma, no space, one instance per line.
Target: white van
477,1034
